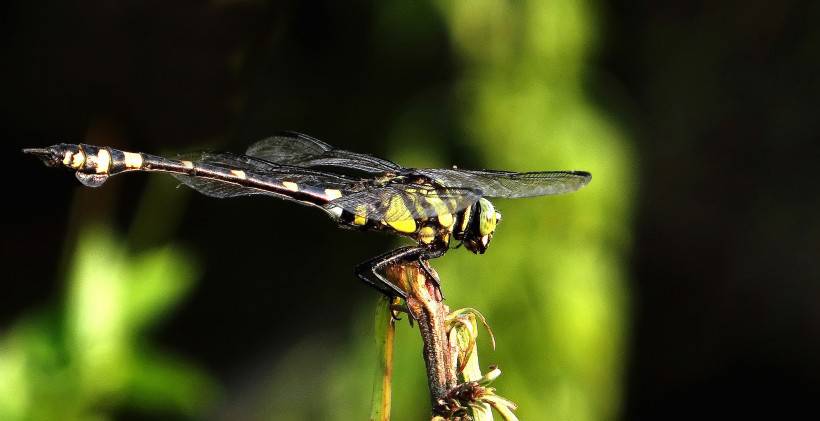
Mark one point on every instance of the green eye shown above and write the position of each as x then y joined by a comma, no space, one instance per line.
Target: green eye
487,217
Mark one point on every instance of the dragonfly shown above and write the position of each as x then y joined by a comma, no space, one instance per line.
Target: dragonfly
358,191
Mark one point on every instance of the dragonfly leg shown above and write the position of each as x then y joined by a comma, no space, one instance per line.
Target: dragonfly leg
424,263
425,266
397,307
368,271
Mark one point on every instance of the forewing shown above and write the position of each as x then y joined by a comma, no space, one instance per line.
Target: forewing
507,184
304,151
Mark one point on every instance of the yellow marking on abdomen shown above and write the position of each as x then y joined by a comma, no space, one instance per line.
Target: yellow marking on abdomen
290,185
103,161
132,160
77,160
239,174
67,158
360,217
333,194
188,165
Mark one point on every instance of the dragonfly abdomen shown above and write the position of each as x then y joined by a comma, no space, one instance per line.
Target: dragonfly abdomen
94,164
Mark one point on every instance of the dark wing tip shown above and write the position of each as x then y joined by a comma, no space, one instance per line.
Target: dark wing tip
586,176
571,181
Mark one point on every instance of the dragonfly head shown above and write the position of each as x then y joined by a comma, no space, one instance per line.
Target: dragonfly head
482,227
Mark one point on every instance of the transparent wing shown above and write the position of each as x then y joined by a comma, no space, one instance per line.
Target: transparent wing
301,150
397,202
307,152
306,161
390,202
263,167
261,170
287,147
507,184
218,189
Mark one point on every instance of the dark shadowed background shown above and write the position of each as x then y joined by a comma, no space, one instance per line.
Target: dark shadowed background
682,283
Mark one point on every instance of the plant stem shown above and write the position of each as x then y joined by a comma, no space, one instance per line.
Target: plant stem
384,331
424,302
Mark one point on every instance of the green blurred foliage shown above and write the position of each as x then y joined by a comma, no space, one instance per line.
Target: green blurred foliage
553,283
558,297
90,359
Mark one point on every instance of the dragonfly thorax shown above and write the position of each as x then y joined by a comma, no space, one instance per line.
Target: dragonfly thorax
481,222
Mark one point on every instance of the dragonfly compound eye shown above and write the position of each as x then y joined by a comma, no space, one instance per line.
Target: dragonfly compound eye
487,217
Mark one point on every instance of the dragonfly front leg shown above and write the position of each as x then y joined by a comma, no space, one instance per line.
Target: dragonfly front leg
424,263
369,271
